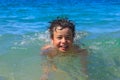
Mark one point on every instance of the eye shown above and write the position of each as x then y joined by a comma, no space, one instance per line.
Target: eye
59,37
68,37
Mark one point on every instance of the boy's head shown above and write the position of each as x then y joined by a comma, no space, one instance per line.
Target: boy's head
63,23
62,33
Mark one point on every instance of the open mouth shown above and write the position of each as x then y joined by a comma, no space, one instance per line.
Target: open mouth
64,47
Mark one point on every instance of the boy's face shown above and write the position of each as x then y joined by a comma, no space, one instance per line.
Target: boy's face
62,39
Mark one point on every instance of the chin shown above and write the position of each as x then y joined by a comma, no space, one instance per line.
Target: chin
63,51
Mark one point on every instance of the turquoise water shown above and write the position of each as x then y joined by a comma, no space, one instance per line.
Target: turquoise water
23,31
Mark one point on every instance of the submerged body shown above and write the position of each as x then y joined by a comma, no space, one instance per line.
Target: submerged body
65,65
62,45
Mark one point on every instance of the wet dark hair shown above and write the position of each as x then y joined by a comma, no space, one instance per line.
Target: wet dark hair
63,23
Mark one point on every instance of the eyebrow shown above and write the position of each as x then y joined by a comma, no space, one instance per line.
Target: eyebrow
65,35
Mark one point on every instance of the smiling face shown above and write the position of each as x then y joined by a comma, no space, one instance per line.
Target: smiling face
62,39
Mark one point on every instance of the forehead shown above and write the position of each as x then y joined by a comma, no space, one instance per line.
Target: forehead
59,29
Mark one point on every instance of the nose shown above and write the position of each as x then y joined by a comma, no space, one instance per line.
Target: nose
63,40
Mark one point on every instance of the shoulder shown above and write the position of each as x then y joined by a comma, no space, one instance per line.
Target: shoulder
84,52
79,50
46,49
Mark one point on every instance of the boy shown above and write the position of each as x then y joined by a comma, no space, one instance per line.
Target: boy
62,33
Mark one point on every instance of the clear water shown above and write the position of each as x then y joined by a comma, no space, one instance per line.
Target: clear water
23,31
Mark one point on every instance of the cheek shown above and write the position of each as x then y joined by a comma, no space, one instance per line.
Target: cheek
55,42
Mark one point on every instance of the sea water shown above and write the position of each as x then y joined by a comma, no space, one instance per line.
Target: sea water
23,31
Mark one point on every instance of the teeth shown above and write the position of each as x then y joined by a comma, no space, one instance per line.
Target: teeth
64,46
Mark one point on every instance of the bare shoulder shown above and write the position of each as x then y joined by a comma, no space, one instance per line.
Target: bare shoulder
48,50
45,50
82,52
46,47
